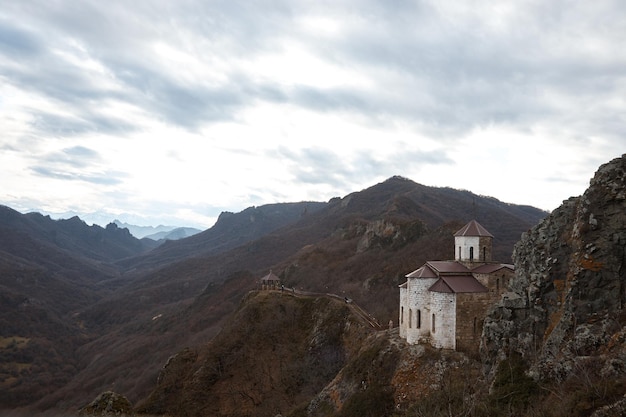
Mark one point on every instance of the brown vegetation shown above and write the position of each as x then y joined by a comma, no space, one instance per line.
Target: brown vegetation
100,320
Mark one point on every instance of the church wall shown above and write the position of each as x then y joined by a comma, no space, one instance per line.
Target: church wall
470,315
415,326
484,248
402,324
497,283
421,300
465,243
443,311
472,308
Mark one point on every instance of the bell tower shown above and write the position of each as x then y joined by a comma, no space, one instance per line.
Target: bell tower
472,244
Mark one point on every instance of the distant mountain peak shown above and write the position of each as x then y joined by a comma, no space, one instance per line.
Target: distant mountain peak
399,178
156,232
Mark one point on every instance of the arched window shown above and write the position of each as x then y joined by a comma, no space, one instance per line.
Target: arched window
432,324
471,253
419,319
410,315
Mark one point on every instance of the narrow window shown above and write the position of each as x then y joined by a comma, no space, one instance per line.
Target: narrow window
460,256
471,253
410,315
433,324
401,315
419,319
474,325
484,254
498,284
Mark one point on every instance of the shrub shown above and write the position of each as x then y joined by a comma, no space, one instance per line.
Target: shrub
374,401
512,389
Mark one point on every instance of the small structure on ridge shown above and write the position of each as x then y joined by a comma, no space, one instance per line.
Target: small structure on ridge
270,282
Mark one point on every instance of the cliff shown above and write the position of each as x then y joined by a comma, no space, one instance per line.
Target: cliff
553,346
276,352
565,313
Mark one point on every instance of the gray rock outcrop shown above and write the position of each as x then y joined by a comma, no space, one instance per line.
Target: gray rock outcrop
566,303
108,404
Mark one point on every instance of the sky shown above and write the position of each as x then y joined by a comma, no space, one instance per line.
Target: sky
170,112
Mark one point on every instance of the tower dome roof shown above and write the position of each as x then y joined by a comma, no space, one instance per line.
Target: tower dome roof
473,228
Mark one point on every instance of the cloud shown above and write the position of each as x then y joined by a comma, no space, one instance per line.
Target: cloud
14,40
98,179
79,123
77,163
323,167
237,101
449,67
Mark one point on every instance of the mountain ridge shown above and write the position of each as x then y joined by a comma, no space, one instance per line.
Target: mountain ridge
554,345
156,303
157,232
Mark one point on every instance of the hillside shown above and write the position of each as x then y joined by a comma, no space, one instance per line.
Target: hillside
174,234
275,353
75,236
157,232
49,271
358,246
230,231
553,346
182,293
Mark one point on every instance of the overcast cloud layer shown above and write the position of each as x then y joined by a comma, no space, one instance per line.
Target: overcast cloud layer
173,111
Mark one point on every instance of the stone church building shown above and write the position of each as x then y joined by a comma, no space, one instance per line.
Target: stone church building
444,303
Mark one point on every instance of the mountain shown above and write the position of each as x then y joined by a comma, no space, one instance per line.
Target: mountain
361,246
50,270
275,353
183,293
157,232
174,234
299,355
554,345
75,236
230,231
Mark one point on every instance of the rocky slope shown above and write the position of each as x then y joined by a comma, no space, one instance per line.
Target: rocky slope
74,236
130,315
276,352
285,354
554,346
565,311
230,231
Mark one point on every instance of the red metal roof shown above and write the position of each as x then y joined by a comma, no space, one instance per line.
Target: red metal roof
424,272
454,277
473,228
491,268
458,284
448,267
270,277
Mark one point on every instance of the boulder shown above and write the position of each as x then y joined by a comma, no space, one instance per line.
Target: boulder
108,404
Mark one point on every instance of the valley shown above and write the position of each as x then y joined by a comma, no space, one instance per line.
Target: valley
184,326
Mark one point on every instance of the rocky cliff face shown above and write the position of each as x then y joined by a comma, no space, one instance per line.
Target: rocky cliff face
275,353
565,308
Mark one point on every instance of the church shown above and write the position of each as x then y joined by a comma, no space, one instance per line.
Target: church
444,303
